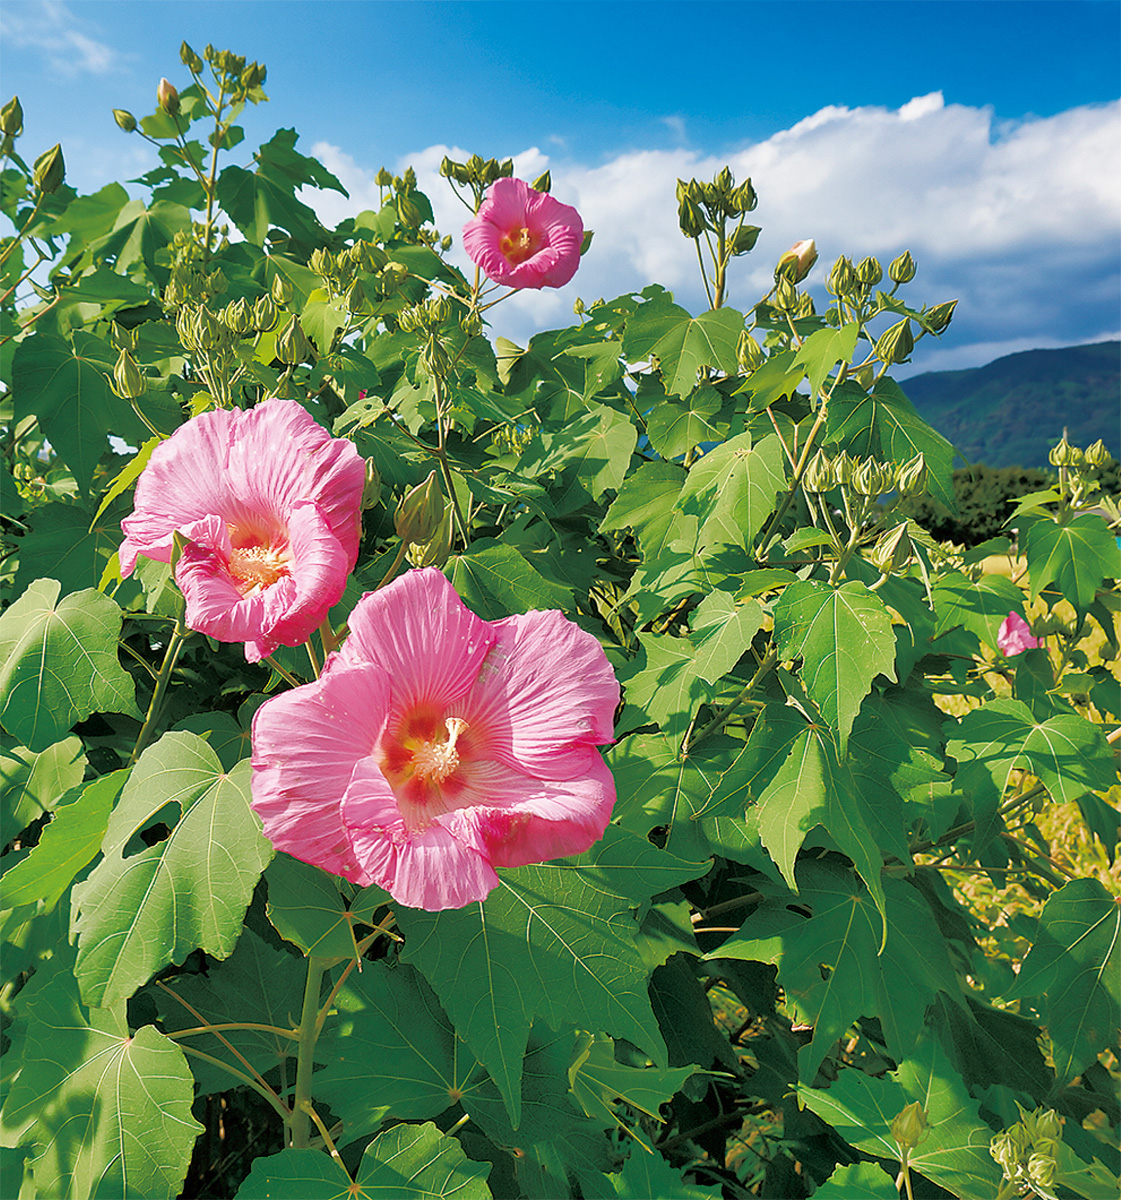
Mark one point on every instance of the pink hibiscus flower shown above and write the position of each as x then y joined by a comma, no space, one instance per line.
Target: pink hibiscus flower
437,746
523,238
270,505
1014,636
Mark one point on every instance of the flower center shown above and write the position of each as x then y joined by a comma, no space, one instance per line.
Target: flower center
257,567
435,761
519,244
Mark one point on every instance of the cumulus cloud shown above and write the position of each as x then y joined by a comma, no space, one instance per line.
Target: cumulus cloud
51,28
1021,221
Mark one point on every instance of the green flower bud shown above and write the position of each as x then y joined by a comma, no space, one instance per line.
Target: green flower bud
281,291
1041,1170
913,477
419,512
355,297
11,118
1062,455
690,218
938,318
371,491
797,262
902,269
216,281
804,307
844,466
820,475
446,242
128,379
869,272
167,97
723,183
322,262
866,478
744,239
578,307
446,167
383,178
207,331
49,170
125,120
1003,1150
785,296
744,198
842,277
292,345
408,212
891,553
1097,455
437,550
190,59
264,314
865,376
909,1126
749,353
895,344
543,182
238,317
410,179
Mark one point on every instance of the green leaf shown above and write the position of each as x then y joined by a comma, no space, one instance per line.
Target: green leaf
666,688
66,845
831,964
33,783
776,378
306,909
732,489
883,424
555,941
1072,970
144,907
645,1175
113,1111
1077,556
495,581
391,1051
861,1181
722,630
955,1152
64,544
595,448
255,984
407,1162
823,350
60,663
978,607
139,234
127,476
675,428
843,636
683,345
1068,753
646,504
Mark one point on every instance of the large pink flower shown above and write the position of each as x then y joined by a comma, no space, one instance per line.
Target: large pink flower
524,238
270,505
437,746
1014,636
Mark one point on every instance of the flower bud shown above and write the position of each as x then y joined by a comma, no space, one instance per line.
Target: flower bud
1097,455
216,281
844,466
1041,1170
785,295
842,277
913,477
437,550
128,379
125,119
744,239
292,345
909,1126
1063,455
190,59
819,475
690,218
281,291
419,512
938,318
11,118
578,306
743,198
264,314
902,269
749,353
167,98
796,263
371,491
408,211
1003,1149
322,262
355,297
543,182
865,376
866,478
895,344
49,170
383,178
891,553
207,333
869,272
238,317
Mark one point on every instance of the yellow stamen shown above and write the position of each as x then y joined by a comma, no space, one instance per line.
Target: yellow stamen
435,761
518,245
257,567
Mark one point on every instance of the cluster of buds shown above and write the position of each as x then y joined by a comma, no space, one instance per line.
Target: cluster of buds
702,206
865,477
1027,1152
1065,455
425,318
236,77
514,439
478,174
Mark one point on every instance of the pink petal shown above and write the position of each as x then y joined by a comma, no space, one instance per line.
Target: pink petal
307,745
545,693
428,869
1014,636
417,629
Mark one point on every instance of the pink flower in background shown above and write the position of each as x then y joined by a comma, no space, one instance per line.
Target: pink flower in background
437,746
1014,636
524,238
270,505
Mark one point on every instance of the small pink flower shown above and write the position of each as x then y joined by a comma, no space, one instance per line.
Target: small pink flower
437,746
523,238
270,505
1014,636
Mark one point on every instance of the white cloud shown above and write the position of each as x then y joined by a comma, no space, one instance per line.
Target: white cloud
55,31
1021,221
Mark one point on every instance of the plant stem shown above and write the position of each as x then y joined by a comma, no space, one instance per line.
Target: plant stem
178,637
717,722
300,1125
266,1092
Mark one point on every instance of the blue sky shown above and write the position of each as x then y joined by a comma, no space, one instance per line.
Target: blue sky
985,136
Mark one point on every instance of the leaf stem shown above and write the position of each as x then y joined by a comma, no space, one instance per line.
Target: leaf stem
308,1033
178,636
266,1092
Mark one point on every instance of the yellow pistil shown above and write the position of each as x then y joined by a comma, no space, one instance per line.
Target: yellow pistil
518,245
435,761
257,567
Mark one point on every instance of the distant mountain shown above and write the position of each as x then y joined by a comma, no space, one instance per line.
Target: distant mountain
1011,412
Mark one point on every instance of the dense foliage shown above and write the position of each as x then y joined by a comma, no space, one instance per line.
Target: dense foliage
766,978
